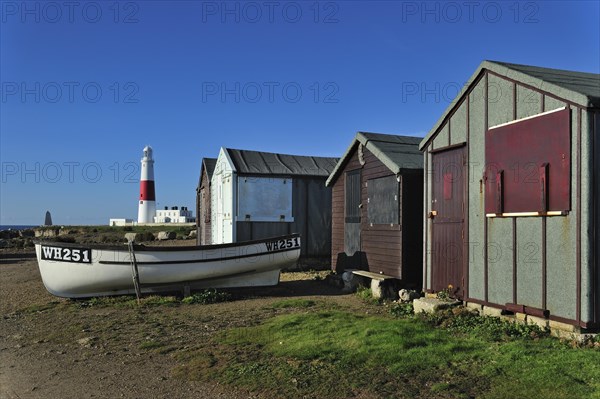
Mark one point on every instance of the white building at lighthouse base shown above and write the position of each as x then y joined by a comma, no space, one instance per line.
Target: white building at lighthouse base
174,215
120,222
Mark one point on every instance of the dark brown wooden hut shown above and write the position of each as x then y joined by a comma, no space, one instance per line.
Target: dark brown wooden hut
377,202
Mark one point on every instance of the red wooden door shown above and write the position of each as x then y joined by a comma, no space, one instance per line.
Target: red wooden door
447,221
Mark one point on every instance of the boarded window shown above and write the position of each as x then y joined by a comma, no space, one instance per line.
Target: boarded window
528,165
265,199
383,204
353,196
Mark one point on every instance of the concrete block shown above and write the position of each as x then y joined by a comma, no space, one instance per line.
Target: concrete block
474,306
557,325
377,289
489,311
521,317
563,334
432,305
383,289
578,337
538,321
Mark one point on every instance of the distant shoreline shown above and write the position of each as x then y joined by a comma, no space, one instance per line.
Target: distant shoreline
17,227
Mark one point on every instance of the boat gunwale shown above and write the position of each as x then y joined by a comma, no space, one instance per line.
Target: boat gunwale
186,261
142,247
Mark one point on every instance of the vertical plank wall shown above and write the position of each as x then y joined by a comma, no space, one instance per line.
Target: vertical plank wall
203,236
507,257
338,204
381,244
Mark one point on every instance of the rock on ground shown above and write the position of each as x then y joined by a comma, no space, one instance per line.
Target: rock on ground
166,235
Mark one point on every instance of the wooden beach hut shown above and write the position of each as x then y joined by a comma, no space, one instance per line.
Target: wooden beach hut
377,203
256,195
203,236
512,180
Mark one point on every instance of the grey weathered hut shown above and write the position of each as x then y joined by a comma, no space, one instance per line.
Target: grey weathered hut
256,195
377,205
512,180
203,201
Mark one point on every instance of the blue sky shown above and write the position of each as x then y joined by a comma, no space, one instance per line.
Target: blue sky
86,85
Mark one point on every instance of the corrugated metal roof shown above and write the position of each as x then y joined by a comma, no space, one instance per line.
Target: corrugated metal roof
398,153
584,83
581,88
266,163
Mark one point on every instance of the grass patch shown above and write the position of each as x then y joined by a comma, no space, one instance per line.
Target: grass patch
149,345
159,300
207,297
293,303
40,307
331,354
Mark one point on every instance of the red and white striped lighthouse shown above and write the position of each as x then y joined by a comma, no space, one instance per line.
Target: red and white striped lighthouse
147,206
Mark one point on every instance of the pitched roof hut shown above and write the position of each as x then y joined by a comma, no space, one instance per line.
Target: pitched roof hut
512,180
203,225
377,206
257,195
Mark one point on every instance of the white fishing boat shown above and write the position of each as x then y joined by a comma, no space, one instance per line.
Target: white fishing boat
80,271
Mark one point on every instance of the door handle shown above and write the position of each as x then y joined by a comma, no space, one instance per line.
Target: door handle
432,214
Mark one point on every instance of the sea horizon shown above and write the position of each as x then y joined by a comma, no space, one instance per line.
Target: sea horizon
17,226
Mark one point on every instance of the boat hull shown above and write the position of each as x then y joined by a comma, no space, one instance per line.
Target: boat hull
80,271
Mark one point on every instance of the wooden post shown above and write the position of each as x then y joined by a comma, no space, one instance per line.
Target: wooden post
134,272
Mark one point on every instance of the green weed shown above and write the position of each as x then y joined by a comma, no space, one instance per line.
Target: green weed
207,297
491,328
402,309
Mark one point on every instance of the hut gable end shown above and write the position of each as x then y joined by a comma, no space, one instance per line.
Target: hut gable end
525,84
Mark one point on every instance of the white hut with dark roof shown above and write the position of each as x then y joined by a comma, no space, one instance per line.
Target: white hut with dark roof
256,195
